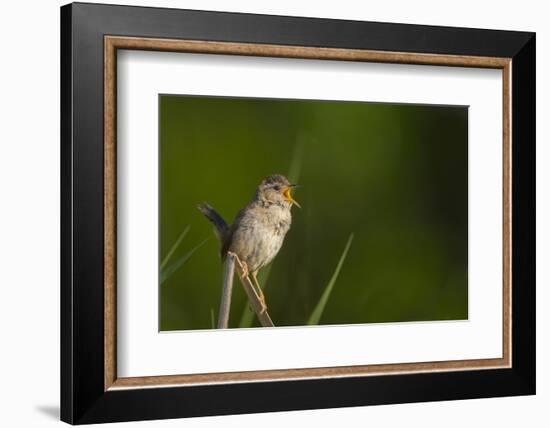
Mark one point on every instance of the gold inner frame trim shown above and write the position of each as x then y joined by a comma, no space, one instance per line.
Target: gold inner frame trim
113,43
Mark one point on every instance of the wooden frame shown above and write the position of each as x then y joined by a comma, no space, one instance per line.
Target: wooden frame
513,53
112,43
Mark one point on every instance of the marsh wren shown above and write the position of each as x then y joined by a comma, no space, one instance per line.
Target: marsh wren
258,231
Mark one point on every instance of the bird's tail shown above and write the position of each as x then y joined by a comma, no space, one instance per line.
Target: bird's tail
220,226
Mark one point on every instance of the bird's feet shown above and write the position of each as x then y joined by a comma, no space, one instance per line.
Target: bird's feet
244,276
242,264
262,302
259,291
244,270
263,305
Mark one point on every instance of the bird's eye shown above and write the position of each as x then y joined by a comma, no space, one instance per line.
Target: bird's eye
277,187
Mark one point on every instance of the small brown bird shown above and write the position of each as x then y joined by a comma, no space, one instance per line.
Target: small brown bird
257,233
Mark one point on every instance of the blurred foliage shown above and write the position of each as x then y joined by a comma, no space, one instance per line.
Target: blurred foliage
395,176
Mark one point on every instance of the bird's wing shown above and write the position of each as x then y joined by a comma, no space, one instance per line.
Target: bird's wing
228,237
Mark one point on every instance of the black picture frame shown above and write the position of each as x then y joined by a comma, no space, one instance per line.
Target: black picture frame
83,396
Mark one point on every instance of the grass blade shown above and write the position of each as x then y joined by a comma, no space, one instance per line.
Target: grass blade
317,313
174,247
168,271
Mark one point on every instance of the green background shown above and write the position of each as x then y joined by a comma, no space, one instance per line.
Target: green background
396,176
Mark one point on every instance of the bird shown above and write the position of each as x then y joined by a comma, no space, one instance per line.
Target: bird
259,229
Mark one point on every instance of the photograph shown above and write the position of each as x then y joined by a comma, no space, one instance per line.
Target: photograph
332,212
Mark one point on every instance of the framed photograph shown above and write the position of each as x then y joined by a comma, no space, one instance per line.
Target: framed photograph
265,213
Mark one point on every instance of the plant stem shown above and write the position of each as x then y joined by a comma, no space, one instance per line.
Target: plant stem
225,303
254,299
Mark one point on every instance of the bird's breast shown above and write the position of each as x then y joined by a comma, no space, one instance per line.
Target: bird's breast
259,236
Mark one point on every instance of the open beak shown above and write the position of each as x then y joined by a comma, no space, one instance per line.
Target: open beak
289,197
